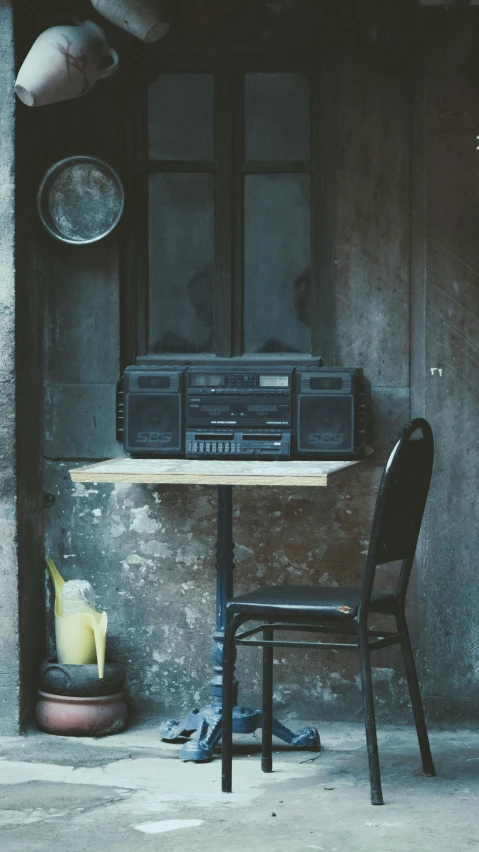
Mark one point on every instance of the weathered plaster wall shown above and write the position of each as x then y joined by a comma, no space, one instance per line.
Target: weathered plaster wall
404,165
30,287
21,404
372,241
150,552
9,645
451,278
150,555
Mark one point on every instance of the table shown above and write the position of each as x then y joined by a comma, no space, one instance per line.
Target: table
201,729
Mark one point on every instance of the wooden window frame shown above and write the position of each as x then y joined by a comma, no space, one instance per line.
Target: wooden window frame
228,67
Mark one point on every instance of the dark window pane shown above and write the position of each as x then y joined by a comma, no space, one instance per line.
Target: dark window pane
181,253
277,117
181,117
277,263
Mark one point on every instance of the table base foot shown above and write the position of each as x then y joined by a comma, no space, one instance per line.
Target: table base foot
205,724
172,731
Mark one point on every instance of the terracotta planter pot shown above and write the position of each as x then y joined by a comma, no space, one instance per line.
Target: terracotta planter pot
81,717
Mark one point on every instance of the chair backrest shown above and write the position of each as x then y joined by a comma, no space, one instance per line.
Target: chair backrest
400,505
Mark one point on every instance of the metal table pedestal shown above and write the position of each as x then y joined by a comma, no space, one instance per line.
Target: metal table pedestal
200,730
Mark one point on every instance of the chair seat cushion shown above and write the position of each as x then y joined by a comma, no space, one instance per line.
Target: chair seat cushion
316,601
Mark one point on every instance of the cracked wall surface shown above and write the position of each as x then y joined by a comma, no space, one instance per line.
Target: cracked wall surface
9,644
150,552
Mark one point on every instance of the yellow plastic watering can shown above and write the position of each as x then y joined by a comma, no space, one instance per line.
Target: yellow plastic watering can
80,637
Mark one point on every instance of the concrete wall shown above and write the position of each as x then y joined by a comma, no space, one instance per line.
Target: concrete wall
450,595
21,408
9,645
399,310
150,552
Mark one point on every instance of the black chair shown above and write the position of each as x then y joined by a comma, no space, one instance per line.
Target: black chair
344,611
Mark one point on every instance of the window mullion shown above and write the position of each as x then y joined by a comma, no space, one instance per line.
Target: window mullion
223,213
238,214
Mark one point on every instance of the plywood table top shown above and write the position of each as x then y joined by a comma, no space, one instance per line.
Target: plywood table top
211,472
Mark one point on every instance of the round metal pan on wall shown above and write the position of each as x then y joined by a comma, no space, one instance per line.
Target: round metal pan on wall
80,200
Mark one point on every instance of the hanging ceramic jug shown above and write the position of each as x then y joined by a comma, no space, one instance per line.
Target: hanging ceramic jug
65,62
144,19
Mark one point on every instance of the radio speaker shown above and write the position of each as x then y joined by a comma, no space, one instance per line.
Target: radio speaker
331,412
153,411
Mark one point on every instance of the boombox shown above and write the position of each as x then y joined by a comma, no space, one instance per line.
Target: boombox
331,413
239,411
243,411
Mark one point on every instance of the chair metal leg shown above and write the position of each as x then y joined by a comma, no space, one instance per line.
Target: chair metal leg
370,718
416,701
227,704
267,734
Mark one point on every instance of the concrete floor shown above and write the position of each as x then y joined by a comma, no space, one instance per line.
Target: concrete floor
62,794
